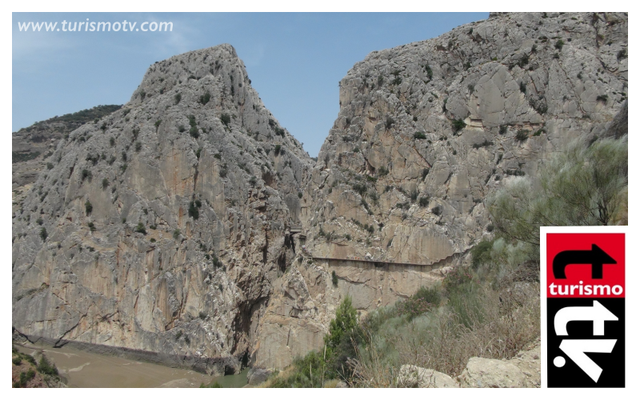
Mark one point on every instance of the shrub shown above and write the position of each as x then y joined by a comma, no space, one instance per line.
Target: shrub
429,71
86,174
105,183
423,202
559,45
177,98
193,210
389,123
334,278
522,135
157,124
481,253
140,228
524,60
345,321
360,188
43,234
204,99
92,227
437,210
503,129
88,207
584,185
483,144
382,171
138,147
458,125
419,135
46,367
225,119
424,300
176,234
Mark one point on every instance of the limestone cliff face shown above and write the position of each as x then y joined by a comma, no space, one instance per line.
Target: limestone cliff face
162,226
32,146
425,132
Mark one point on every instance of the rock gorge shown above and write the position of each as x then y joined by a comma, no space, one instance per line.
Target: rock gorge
190,225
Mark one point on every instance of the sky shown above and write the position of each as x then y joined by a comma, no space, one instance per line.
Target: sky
294,60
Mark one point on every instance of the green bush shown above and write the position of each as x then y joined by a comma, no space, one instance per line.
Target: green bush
424,300
193,210
419,135
140,228
334,278
86,174
46,367
522,135
88,207
481,253
204,99
458,125
225,119
177,98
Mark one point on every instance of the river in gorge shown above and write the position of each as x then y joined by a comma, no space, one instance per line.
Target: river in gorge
82,369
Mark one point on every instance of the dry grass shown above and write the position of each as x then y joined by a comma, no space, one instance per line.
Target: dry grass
478,323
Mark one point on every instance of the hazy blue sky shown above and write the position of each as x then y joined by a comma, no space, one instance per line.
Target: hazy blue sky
294,60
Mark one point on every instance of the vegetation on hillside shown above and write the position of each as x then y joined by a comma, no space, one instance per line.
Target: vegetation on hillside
80,117
488,307
29,373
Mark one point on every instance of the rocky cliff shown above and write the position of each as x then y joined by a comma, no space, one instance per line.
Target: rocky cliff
32,146
425,132
162,226
189,222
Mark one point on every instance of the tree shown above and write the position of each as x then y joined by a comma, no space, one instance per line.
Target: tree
345,321
585,185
